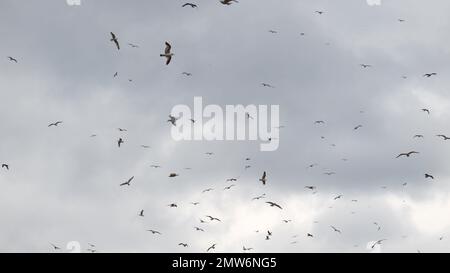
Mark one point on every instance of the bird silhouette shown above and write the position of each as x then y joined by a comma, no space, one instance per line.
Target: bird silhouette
154,231
12,59
263,178
115,40
120,142
6,166
211,247
407,154
189,5
55,124
228,2
429,176
428,75
335,229
128,182
272,204
167,53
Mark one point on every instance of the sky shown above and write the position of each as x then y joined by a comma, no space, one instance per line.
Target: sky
62,185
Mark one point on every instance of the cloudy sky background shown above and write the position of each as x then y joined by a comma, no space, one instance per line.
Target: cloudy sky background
63,185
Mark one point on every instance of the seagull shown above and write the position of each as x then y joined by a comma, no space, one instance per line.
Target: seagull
273,31
310,187
189,4
127,183
6,166
173,175
228,2
365,65
378,243
154,231
229,187
426,110
263,178
187,74
267,85
213,218
119,142
247,249
329,173
199,229
12,59
232,180
320,12
115,74
319,122
338,197
272,204
114,39
309,235
260,197
55,247
401,20
428,75
122,130
429,176
145,146
167,53
207,190
335,229
183,244
357,127
407,154
444,137
155,166
378,226
287,221
195,203
418,136
141,213
211,247
209,153
55,124
172,120
173,205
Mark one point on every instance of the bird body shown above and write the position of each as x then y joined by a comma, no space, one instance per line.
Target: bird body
167,53
263,178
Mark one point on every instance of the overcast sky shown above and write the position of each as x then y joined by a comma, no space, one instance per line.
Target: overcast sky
63,184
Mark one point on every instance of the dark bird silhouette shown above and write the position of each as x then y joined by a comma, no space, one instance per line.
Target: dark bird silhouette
259,197
310,187
122,130
428,75
172,120
338,197
183,244
357,127
155,166
6,166
199,229
425,110
365,65
319,12
167,53
173,205
267,85
213,218
190,5
141,213
335,229
173,175
116,74
154,231
207,190
127,183
133,45
55,124
444,137
228,2
120,142
329,173
418,136
309,235
272,204
263,178
229,187
187,74
247,248
55,247
407,154
211,247
12,59
378,243
115,40
319,122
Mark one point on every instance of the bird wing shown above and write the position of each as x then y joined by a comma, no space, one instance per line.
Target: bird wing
168,47
169,58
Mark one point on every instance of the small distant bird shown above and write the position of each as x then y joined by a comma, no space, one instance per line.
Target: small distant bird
115,74
172,120
319,122
12,59
404,184
167,53
211,247
263,178
357,127
120,142
133,45
428,75
329,173
228,2
229,187
55,124
407,154
183,244
309,235
173,175
127,183
273,31
267,237
209,153
155,166
213,218
232,180
338,197
272,204
365,65
378,243
145,146
199,229
6,166
418,136
267,85
429,176
55,247
122,130
195,203
320,12
173,205
444,137
154,231
287,221
310,187
187,74
141,213
115,40
260,197
190,4
207,190
247,167
247,248
425,110
401,20
335,229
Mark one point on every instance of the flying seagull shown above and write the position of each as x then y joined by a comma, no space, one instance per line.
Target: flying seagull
187,74
263,178
173,175
55,247
319,12
247,249
12,59
267,85
260,197
365,65
154,231
407,154
429,176
428,75
378,243
167,53
418,136
190,4
119,142
55,124
213,218
183,244
133,45
335,229
228,2
172,120
272,204
114,39
6,166
127,183
357,127
338,197
211,247
426,110
141,213
444,137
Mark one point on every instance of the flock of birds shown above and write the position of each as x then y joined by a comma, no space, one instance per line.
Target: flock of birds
263,179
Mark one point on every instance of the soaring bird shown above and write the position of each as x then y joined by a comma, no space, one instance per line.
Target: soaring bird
155,166
190,5
187,74
338,197
211,247
154,231
263,179
229,187
444,137
207,190
55,123
122,130
267,85
357,127
167,54
120,142
272,204
228,2
335,229
273,31
172,120
213,218
183,244
365,65
232,180
429,176
12,59
407,154
115,40
133,45
428,75
247,248
141,213
320,12
173,205
127,183
309,235
378,243
6,166
173,175
310,187
329,173
418,136
425,110
195,203
260,197
55,247
319,122
199,229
